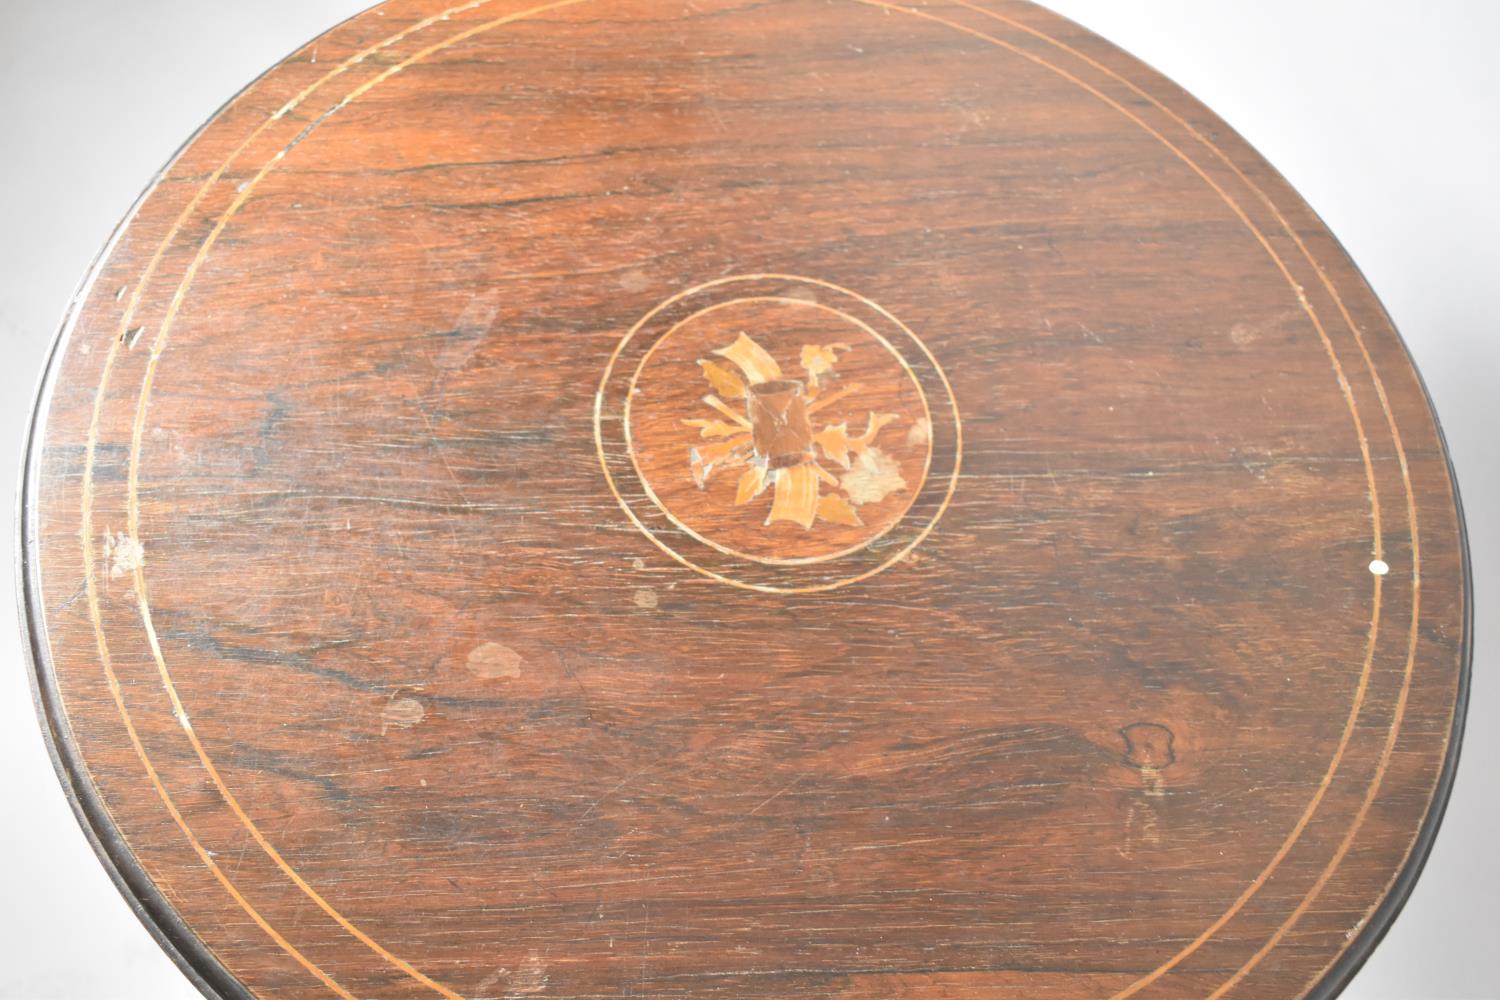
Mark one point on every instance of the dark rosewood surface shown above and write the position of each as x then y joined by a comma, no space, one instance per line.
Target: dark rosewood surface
775,499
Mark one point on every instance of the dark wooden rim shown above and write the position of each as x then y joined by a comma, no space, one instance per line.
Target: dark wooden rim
146,901
1343,970
198,962
160,918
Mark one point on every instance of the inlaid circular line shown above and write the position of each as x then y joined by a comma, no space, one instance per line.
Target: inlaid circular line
1411,509
91,585
138,577
1307,307
133,496
1377,540
86,515
766,588
156,353
159,334
650,492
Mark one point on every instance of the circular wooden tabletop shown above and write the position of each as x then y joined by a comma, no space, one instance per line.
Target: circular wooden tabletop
808,498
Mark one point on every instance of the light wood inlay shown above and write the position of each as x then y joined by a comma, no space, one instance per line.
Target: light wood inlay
622,498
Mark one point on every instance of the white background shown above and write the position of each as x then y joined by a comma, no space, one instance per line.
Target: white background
1384,115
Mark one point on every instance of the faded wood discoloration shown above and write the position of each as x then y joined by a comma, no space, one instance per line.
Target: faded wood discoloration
1077,609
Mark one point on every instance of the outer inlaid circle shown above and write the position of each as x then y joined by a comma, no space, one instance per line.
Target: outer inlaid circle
369,547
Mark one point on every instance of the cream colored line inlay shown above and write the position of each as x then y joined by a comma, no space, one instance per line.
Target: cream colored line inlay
86,529
1377,547
160,341
133,511
1411,506
765,588
158,345
769,560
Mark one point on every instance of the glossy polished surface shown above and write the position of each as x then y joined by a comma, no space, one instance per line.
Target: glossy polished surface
359,602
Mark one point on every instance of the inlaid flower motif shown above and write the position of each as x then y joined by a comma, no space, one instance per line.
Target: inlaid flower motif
770,436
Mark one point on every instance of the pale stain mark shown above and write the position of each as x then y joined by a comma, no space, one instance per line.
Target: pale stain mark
635,281
1245,334
646,598
403,712
1141,825
529,979
802,293
493,661
1149,749
473,325
874,477
920,433
1242,334
123,554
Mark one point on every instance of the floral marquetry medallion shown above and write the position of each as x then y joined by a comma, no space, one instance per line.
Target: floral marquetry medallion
775,442
760,426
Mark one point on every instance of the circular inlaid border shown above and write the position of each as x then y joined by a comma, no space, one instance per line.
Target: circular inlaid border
73,770
787,576
160,340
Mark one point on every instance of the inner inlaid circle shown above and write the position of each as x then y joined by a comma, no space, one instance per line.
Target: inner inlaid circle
778,429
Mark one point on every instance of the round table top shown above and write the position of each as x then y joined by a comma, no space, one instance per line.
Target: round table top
762,499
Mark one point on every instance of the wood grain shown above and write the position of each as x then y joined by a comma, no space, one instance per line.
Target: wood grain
1077,607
